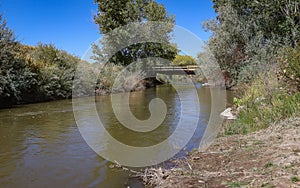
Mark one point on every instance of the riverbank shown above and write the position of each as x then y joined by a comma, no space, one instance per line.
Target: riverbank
267,158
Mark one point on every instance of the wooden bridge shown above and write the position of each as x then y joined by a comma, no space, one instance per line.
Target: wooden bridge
173,70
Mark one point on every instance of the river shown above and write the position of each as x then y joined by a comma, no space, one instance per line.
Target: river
40,145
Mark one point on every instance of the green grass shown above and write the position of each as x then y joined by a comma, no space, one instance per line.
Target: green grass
269,164
295,179
292,165
236,184
264,103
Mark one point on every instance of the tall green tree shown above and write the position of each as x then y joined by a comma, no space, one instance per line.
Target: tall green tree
246,35
280,18
113,14
15,77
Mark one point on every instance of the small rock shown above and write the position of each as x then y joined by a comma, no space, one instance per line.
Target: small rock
227,114
201,181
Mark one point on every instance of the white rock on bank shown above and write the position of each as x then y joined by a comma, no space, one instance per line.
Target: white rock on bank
227,114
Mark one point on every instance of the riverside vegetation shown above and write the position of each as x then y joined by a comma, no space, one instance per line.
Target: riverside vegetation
43,72
33,74
256,44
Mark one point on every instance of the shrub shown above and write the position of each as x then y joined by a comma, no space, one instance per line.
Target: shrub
183,60
55,70
264,103
15,77
290,69
246,36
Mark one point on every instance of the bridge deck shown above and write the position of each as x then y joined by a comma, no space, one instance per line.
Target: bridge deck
175,70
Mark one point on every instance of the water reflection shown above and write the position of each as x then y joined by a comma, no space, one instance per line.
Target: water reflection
40,145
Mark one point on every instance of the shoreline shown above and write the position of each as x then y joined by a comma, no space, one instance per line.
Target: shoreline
267,158
98,92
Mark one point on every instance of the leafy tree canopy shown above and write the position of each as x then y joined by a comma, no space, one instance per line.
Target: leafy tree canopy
247,35
279,18
113,14
182,60
14,76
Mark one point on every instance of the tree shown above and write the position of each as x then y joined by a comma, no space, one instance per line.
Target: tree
280,18
113,14
183,60
14,76
248,34
55,70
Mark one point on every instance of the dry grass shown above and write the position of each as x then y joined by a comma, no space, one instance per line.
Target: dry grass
268,158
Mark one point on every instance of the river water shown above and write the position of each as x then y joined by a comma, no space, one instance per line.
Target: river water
40,145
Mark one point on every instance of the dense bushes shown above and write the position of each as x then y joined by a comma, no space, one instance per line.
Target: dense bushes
255,44
54,71
42,73
15,76
46,73
183,60
247,35
32,74
264,102
290,68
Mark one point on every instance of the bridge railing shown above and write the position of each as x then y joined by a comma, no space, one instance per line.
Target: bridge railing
189,67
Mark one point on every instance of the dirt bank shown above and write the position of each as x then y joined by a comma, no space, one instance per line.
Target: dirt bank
269,158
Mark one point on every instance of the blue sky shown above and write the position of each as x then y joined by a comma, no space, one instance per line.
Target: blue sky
68,24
